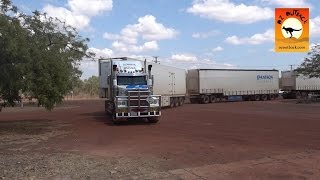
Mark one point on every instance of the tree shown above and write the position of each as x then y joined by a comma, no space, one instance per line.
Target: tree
311,65
38,54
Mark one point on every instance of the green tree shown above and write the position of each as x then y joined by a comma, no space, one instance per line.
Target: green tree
311,65
38,54
91,86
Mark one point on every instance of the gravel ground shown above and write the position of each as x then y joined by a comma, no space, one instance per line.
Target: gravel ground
76,166
24,155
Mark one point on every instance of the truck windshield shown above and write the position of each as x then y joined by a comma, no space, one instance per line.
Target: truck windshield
132,80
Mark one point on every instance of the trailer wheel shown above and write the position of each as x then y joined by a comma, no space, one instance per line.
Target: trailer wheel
264,97
205,99
193,101
304,95
171,102
153,119
181,101
272,97
213,99
176,102
298,95
256,97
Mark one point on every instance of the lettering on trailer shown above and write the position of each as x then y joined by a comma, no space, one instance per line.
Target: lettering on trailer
264,77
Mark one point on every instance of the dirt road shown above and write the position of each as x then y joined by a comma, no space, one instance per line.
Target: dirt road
243,140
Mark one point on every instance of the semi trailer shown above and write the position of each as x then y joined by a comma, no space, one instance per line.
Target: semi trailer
295,85
170,83
212,85
127,88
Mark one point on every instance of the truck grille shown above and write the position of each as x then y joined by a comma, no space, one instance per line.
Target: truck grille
136,103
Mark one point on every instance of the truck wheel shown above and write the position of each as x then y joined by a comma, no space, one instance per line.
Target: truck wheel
256,97
213,99
154,119
205,99
181,101
264,97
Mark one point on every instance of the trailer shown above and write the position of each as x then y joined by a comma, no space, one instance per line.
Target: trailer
213,85
298,86
170,83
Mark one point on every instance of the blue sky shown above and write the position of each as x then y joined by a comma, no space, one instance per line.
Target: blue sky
184,33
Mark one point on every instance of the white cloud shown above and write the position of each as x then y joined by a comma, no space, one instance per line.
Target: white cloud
147,29
205,35
268,36
77,21
288,3
219,48
315,27
78,13
131,48
90,8
101,53
184,57
226,11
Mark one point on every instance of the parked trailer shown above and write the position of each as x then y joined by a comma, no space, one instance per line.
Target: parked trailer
170,83
212,85
298,86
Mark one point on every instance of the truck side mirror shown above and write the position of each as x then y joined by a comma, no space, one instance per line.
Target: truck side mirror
115,83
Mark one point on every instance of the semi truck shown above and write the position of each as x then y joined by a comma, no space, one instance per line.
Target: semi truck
127,88
170,83
213,85
295,85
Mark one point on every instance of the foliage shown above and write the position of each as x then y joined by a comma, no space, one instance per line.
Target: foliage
39,55
311,64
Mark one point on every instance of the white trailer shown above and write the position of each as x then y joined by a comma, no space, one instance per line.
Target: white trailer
170,83
298,86
212,85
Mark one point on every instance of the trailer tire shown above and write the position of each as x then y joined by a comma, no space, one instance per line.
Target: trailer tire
181,101
205,99
272,96
213,99
264,97
256,97
298,95
193,101
171,102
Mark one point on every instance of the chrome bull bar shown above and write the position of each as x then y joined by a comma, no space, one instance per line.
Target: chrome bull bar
137,104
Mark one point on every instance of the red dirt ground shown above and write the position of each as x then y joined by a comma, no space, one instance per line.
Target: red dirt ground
199,141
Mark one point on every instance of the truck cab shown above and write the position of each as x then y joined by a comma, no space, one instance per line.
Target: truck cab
126,86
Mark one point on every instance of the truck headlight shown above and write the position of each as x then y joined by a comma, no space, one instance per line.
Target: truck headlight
154,101
122,103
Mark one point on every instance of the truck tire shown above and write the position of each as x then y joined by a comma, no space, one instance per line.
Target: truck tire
205,99
213,99
154,119
298,95
256,97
